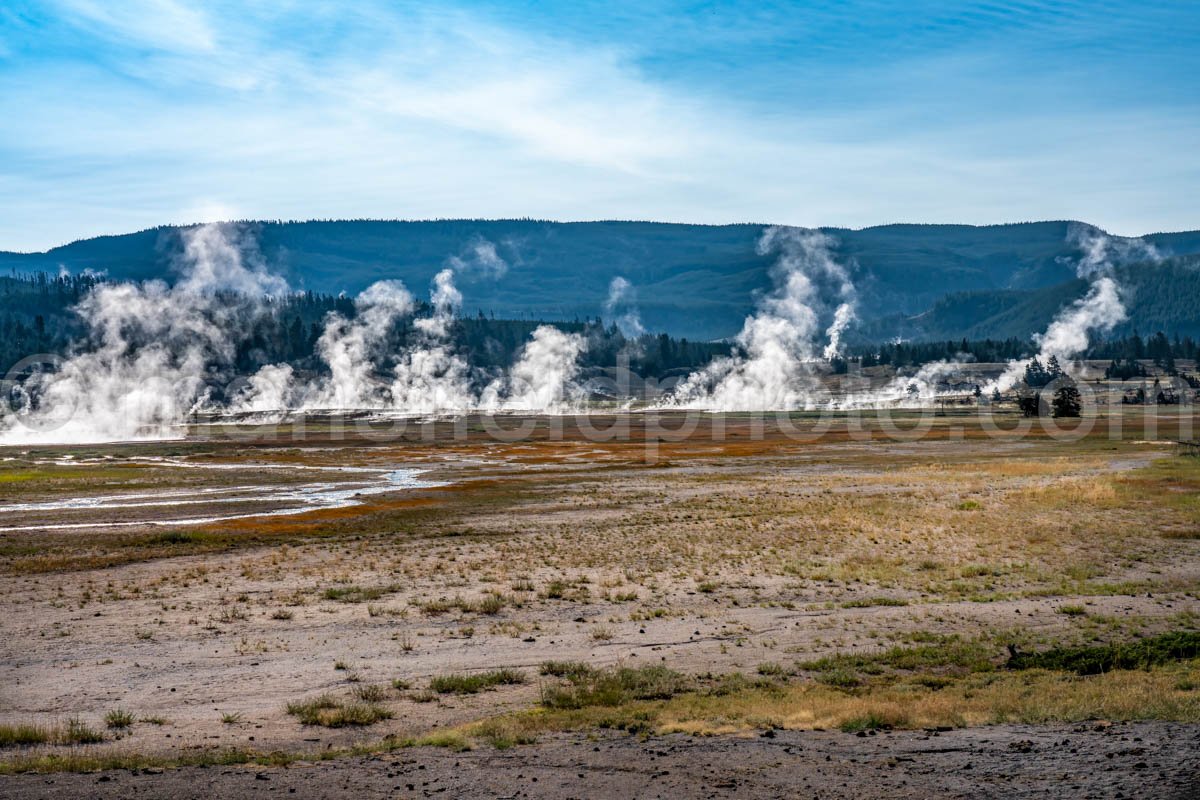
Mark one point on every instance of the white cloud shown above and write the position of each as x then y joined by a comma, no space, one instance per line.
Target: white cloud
161,24
277,110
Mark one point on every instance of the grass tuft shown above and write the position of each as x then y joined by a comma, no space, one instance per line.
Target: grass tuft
475,683
331,712
614,687
118,719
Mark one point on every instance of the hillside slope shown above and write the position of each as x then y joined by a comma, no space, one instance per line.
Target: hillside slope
693,280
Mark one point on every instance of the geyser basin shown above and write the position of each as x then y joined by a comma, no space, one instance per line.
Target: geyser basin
344,487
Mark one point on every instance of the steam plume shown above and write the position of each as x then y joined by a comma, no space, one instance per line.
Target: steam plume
541,378
479,256
777,348
621,307
1099,311
269,390
153,347
350,347
430,377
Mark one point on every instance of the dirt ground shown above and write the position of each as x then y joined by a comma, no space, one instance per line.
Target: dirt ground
1155,761
748,552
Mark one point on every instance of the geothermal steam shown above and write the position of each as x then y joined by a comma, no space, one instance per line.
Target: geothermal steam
154,347
541,380
1098,311
621,308
350,348
154,350
775,353
428,376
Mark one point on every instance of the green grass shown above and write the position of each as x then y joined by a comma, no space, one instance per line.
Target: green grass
24,735
476,682
1153,651
358,594
502,733
331,712
118,719
564,669
370,693
868,602
841,677
614,687
74,732
85,761
867,722
940,652
78,732
451,740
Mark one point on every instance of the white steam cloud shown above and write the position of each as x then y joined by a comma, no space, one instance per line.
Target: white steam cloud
350,347
778,347
1099,311
267,391
542,378
479,256
428,376
154,348
621,308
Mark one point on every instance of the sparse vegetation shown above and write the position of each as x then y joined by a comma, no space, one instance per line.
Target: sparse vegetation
907,602
370,693
118,719
613,687
1105,658
475,682
358,594
332,712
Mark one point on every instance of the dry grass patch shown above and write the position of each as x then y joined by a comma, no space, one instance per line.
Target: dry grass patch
75,731
332,712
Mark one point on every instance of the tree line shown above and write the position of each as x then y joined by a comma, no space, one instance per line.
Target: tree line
37,317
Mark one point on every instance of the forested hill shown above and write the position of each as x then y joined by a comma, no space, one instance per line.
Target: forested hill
917,281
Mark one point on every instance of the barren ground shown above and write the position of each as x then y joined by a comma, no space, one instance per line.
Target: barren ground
747,553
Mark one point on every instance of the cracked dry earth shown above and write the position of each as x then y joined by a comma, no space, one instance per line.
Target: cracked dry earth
1142,761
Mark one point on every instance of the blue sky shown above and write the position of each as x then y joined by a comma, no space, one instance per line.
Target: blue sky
118,115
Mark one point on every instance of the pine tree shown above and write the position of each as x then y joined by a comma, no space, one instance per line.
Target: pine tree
1067,402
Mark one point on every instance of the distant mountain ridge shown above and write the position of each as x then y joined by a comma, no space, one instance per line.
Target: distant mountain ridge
700,281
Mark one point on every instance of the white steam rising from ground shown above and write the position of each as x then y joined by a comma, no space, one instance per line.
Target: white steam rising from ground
1097,312
773,366
1070,333
153,348
427,376
430,377
350,347
542,378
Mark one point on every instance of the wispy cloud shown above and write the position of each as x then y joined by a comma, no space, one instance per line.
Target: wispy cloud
123,115
156,24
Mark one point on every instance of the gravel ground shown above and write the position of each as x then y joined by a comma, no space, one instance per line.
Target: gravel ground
1142,760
